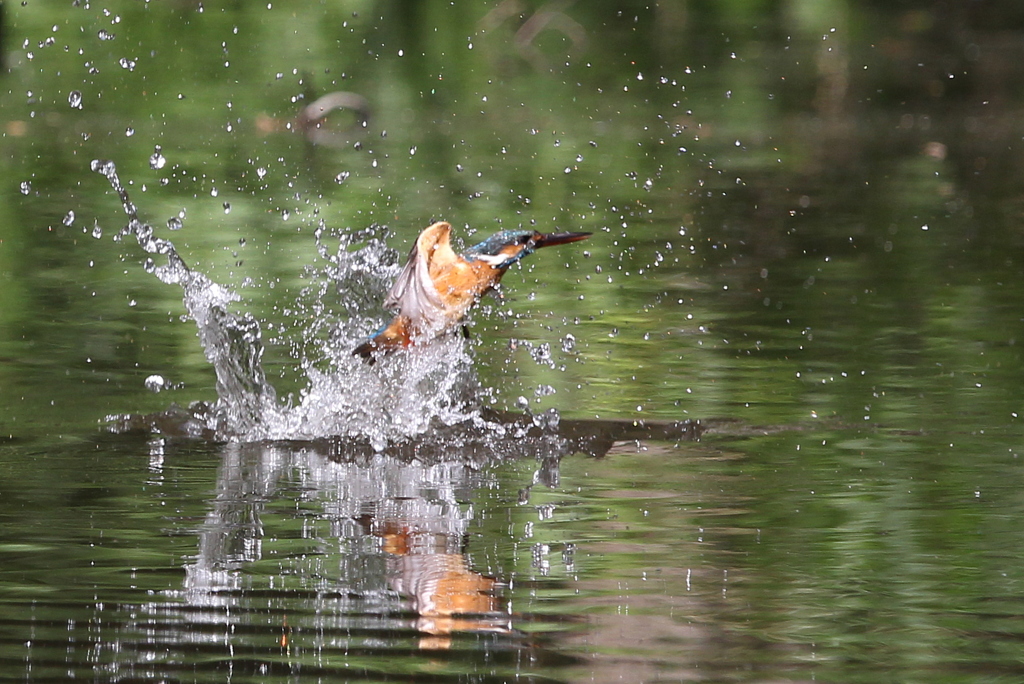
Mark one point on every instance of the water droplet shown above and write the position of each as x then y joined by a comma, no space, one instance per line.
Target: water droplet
155,383
541,353
341,177
129,132
103,166
75,99
227,207
544,391
26,187
157,160
568,343
97,232
174,223
126,63
412,150
549,419
459,167
261,173
69,218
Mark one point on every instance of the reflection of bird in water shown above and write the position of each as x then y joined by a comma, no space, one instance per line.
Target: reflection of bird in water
446,592
438,287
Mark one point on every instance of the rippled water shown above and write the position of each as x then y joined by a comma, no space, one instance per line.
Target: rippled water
250,560
709,561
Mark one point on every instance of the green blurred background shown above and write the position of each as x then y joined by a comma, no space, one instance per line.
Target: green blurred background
782,192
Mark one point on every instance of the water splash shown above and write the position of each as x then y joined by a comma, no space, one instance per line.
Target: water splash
403,396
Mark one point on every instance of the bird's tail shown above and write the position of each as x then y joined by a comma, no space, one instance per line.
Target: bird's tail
394,335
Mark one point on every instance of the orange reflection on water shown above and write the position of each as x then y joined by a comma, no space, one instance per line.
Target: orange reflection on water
446,592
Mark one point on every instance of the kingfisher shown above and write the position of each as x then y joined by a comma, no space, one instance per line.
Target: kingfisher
437,287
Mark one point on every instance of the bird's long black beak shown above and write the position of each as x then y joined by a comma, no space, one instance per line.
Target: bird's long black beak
559,239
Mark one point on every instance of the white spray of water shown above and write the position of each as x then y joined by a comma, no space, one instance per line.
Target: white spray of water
401,396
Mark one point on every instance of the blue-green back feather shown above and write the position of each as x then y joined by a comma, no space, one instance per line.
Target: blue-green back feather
512,244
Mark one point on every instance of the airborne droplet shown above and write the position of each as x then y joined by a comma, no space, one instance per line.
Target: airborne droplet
157,159
75,99
104,166
155,383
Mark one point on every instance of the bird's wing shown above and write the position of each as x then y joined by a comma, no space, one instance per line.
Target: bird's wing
414,294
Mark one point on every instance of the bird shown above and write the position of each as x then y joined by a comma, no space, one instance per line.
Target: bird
437,287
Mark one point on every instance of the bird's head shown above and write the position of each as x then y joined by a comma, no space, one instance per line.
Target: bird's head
503,249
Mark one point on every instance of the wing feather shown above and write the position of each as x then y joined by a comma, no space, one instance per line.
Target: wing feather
413,293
